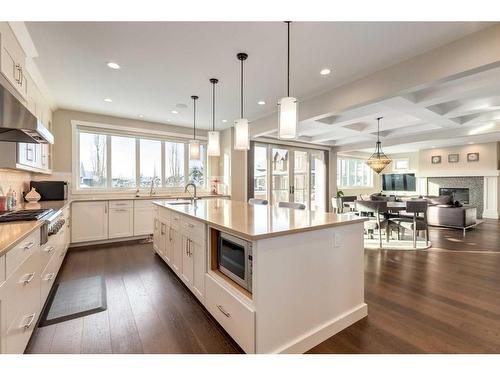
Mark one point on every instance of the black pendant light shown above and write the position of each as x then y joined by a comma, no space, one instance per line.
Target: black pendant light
194,144
241,130
378,161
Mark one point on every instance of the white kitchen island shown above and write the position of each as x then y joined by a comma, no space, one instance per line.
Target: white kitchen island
308,270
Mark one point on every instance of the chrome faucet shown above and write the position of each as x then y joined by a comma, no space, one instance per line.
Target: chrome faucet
193,197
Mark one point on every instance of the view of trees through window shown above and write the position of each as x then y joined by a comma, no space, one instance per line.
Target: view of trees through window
127,162
353,173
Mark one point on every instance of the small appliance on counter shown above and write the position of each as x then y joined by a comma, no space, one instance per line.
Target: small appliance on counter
51,190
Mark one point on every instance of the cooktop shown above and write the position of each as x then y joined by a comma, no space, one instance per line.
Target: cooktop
23,215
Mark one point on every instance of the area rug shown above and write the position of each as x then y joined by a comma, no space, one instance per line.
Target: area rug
373,244
74,299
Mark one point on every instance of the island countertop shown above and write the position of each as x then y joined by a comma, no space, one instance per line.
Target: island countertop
254,222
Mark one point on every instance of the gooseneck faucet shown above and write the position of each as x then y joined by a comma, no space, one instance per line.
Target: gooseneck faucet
186,190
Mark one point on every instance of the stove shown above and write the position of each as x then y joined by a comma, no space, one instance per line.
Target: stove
24,215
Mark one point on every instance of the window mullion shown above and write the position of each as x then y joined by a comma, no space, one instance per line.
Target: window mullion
108,162
137,163
162,165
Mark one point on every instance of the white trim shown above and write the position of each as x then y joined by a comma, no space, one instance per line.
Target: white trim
459,173
133,130
298,144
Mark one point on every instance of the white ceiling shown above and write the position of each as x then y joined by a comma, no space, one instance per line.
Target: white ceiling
164,63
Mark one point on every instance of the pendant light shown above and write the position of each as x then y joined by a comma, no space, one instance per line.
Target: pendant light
241,131
213,136
378,161
288,105
194,144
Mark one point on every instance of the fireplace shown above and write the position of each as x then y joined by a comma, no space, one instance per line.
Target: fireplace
458,194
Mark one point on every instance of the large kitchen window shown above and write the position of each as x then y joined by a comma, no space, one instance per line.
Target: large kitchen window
353,173
110,162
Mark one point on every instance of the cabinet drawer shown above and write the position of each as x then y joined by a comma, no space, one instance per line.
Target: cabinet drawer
19,333
193,229
166,215
2,269
234,316
121,204
175,220
47,251
48,276
21,294
22,251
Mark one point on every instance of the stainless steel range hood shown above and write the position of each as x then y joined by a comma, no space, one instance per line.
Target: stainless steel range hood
17,124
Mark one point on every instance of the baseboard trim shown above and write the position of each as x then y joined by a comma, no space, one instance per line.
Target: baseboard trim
321,333
491,214
75,245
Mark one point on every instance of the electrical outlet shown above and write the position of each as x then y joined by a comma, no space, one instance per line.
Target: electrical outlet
336,240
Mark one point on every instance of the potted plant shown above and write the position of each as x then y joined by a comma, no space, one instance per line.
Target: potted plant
337,202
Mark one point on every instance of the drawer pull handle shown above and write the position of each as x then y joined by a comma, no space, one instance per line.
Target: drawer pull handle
163,227
50,276
170,234
30,322
191,225
223,311
28,246
29,278
50,249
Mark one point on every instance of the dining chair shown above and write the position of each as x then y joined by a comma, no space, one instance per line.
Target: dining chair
375,209
296,206
416,222
258,201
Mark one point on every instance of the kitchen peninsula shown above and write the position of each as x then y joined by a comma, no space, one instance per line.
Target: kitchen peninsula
303,269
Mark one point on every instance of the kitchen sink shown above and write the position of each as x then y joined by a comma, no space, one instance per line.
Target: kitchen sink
176,203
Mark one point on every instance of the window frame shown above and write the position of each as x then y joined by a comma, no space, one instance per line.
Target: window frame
343,163
138,134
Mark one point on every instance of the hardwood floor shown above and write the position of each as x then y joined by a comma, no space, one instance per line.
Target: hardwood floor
444,300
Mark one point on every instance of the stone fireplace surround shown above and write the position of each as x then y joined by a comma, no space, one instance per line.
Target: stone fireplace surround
475,184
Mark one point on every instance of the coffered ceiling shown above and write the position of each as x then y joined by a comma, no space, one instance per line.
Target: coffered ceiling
164,63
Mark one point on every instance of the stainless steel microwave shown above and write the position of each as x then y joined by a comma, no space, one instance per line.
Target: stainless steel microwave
235,259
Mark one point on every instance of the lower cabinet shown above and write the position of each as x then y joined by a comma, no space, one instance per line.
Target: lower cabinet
176,250
143,217
89,221
121,222
187,262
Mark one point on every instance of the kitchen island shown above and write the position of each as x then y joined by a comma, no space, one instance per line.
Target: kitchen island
307,270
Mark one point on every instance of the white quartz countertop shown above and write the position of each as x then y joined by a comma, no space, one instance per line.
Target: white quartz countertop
255,222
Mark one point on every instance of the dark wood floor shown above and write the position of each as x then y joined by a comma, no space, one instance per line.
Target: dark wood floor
445,300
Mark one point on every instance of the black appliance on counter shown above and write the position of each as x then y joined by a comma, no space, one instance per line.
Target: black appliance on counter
51,190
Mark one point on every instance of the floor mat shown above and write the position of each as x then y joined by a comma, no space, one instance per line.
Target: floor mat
75,298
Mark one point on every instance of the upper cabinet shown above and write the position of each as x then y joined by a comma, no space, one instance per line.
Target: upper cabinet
25,156
13,61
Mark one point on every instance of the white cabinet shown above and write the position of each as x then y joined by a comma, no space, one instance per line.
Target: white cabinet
156,235
121,219
143,217
187,262
89,221
176,250
13,60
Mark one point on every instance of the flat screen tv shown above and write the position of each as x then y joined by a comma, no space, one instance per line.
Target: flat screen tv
398,182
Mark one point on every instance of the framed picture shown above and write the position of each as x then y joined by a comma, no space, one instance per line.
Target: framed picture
436,159
473,156
453,158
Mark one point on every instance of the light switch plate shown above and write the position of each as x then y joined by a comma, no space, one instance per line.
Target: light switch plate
336,240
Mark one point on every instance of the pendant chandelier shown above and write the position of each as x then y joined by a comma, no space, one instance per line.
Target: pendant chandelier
288,105
378,161
213,136
241,131
194,144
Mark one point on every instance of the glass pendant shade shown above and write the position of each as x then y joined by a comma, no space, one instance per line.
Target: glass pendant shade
378,161
288,118
194,149
213,143
241,135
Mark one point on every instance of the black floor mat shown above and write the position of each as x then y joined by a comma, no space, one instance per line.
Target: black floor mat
74,299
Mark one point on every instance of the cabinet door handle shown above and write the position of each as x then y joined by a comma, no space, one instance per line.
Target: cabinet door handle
191,225
106,208
163,228
170,234
29,278
30,321
50,249
28,246
187,247
223,311
50,276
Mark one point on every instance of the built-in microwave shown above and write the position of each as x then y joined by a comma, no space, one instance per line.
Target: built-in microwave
235,259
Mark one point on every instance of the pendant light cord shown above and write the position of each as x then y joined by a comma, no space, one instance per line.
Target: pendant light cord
213,106
194,118
288,60
241,88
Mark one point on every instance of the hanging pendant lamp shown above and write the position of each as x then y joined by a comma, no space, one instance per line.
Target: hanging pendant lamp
194,144
241,131
213,136
378,161
288,107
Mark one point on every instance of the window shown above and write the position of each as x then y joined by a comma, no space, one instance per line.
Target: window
197,168
122,162
174,164
353,173
92,160
150,162
260,172
110,162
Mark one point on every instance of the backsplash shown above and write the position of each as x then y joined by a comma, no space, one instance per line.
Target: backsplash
17,180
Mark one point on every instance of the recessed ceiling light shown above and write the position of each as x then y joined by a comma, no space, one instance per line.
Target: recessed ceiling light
433,146
261,102
108,100
325,72
141,116
224,120
471,143
174,112
113,65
